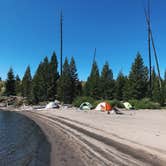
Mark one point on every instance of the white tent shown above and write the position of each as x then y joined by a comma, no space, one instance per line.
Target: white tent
57,102
52,105
127,105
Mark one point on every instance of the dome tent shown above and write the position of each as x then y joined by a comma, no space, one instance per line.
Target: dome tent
104,106
86,106
127,105
52,105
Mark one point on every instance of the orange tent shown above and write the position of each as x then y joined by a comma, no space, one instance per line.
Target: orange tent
104,106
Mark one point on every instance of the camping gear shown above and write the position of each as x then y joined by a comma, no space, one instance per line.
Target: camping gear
104,106
86,106
52,105
127,105
117,111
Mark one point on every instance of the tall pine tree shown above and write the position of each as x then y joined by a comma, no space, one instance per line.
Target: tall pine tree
46,77
41,82
107,83
65,84
76,85
27,85
53,77
37,86
120,85
92,86
18,85
138,79
10,83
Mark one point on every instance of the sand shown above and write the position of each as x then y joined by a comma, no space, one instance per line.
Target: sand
94,138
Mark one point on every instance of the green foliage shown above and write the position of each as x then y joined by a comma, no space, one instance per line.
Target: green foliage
10,85
2,88
79,100
53,77
18,85
144,104
38,85
92,87
45,80
107,84
138,79
120,86
158,94
27,85
65,84
116,103
76,85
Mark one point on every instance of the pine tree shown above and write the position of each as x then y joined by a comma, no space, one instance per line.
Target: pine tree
155,87
1,86
27,85
53,77
10,83
37,86
107,83
138,79
41,81
92,87
46,77
18,85
126,90
76,85
65,84
120,86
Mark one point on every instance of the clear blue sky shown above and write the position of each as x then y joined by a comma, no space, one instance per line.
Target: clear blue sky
29,31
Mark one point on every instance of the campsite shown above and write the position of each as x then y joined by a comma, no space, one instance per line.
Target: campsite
82,83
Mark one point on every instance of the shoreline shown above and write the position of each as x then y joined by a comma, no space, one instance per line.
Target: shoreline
61,151
75,142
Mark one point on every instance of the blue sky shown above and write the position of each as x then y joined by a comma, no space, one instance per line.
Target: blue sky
29,31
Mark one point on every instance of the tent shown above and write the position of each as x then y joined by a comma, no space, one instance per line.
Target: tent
85,106
104,106
52,105
127,105
57,102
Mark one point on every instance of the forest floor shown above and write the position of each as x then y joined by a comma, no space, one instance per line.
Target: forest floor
136,138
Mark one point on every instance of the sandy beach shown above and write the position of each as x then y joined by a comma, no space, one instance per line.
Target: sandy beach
95,138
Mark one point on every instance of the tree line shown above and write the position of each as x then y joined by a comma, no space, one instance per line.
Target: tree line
47,84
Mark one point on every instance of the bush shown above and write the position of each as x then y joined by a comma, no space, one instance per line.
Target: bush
116,103
79,100
144,104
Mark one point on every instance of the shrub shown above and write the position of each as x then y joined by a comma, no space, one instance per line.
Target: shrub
79,100
116,103
144,104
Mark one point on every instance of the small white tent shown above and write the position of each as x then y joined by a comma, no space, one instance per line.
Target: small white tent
52,105
127,105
